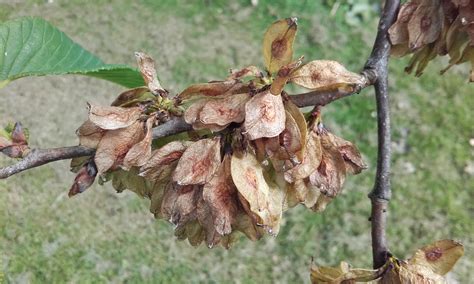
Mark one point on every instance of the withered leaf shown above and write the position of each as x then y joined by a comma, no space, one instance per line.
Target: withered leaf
398,32
220,195
212,89
265,200
325,75
425,24
148,71
110,117
440,256
244,223
342,274
132,97
331,173
115,144
199,162
84,179
139,154
311,160
278,44
191,114
89,134
264,116
224,111
351,155
179,203
156,199
298,116
163,161
205,218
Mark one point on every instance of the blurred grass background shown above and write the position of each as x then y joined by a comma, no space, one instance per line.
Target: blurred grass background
101,236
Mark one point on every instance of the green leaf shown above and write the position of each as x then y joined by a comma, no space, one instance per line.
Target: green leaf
34,47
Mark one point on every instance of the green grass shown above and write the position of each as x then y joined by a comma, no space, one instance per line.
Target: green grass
101,236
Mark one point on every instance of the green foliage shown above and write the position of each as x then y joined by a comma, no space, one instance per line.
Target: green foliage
34,47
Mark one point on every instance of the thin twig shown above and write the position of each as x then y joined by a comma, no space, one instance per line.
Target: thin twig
381,192
39,157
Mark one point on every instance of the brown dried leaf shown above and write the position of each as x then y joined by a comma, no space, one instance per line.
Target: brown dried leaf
191,114
310,162
325,75
89,134
350,154
440,256
398,32
298,116
179,203
163,161
342,274
199,162
139,154
266,201
331,173
205,218
278,44
264,116
148,71
110,117
245,224
115,144
220,195
212,89
84,179
425,24
156,199
224,111
132,97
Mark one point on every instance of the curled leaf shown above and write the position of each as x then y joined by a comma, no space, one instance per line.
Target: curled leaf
278,44
425,24
148,71
110,117
132,97
265,200
331,173
199,162
89,134
351,155
440,256
212,89
220,195
264,116
311,160
224,111
139,154
115,144
163,161
325,75
180,203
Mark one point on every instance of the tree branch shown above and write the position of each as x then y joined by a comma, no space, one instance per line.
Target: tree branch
175,125
381,192
39,157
